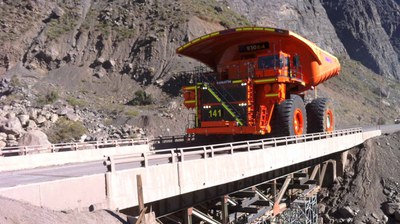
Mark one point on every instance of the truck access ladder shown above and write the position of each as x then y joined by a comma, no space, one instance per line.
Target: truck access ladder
216,93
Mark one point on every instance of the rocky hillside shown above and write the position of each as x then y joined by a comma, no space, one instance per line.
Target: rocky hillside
307,18
370,31
113,66
95,58
369,192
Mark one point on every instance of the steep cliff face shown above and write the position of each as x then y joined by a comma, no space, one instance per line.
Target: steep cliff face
307,18
370,31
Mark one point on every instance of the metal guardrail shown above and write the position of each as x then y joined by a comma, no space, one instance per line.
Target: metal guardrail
172,139
174,155
74,146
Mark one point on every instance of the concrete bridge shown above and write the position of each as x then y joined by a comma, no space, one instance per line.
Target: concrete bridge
175,179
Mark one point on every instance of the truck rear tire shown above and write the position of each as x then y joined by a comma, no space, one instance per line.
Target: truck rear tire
320,116
289,117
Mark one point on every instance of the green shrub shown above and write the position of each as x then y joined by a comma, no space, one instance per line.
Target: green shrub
58,27
75,102
66,130
49,98
141,98
381,121
131,113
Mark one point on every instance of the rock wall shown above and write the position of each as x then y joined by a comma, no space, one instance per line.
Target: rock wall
307,18
370,31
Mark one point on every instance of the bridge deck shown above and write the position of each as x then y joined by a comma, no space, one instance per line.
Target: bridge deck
175,172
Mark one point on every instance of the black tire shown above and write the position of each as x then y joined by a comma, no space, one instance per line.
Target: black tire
320,116
282,123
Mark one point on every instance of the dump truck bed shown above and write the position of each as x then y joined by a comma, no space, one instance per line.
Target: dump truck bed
228,46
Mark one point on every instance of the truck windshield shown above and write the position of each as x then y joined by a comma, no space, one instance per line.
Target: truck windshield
265,62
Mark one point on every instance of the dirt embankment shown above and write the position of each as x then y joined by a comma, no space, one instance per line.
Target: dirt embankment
369,192
16,212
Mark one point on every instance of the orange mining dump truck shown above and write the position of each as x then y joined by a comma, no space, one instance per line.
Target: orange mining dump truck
257,83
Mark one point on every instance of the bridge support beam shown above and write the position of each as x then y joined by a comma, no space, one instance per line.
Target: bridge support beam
188,216
341,163
278,199
323,173
224,209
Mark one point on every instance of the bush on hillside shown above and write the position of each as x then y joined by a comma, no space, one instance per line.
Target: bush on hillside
65,130
141,98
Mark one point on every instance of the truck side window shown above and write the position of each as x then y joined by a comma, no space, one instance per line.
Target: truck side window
266,62
296,61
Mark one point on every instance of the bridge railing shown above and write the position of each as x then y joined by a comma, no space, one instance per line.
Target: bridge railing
73,146
174,155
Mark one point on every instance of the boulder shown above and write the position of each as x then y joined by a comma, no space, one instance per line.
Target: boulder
65,111
3,136
33,114
11,126
23,118
12,143
11,137
100,72
109,64
54,118
72,116
57,12
41,119
10,115
390,207
31,125
346,212
47,115
47,124
2,144
34,137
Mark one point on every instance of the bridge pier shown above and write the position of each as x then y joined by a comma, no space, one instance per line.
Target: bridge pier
224,209
341,161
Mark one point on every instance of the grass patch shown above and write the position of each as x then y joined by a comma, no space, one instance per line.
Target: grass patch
124,33
76,102
49,98
130,112
66,130
207,10
141,98
62,25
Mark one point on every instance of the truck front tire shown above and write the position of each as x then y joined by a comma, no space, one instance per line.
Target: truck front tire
289,117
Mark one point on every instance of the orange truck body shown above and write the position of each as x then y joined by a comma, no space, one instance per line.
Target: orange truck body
253,69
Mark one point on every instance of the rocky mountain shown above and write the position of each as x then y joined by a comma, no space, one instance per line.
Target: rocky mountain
307,18
370,31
